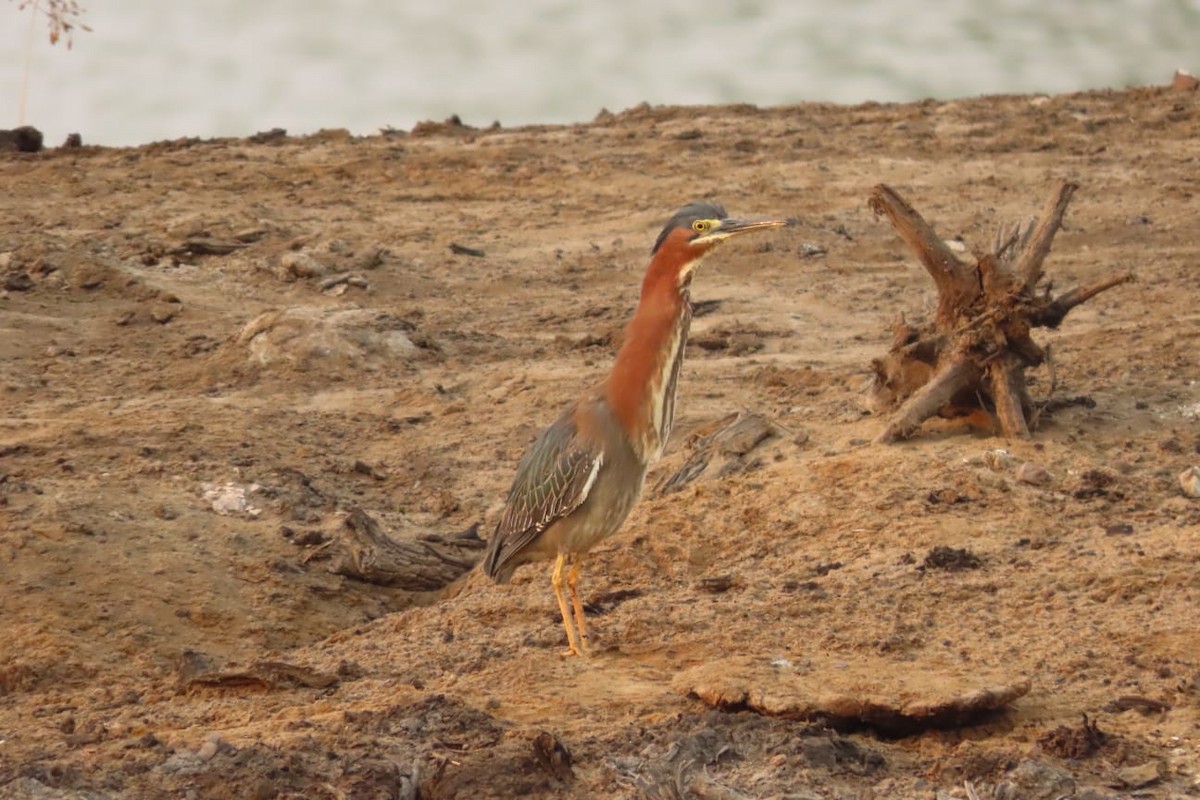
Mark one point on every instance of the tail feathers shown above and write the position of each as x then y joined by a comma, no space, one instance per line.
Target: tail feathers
493,562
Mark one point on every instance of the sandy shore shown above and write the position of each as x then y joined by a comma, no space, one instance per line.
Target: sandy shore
141,383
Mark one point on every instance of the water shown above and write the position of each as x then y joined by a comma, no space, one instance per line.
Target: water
157,70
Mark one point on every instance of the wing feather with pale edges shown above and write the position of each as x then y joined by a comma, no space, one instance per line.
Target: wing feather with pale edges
553,479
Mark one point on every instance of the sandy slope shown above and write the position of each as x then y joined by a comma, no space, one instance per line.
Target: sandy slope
129,384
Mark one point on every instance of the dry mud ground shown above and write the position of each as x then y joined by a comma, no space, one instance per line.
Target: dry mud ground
131,386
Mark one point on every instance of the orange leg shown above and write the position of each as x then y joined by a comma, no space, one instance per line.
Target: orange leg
573,587
556,579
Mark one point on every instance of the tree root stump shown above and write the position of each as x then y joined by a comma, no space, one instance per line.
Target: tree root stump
972,356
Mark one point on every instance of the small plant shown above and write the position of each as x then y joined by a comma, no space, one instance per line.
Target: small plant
63,18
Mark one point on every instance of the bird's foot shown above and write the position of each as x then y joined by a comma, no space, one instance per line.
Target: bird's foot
581,650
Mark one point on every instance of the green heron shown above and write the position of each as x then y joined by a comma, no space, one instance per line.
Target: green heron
578,481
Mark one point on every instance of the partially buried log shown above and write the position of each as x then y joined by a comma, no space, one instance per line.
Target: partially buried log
728,442
972,356
363,551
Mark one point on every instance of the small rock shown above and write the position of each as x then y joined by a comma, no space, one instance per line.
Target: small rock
1141,775
18,282
1033,474
998,460
162,313
230,498
363,468
809,250
299,265
1184,81
210,747
1037,780
951,559
373,258
716,584
1189,482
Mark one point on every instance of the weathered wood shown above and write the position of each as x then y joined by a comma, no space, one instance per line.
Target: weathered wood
973,355
727,443
1051,316
927,401
1028,264
1010,396
363,551
955,283
995,276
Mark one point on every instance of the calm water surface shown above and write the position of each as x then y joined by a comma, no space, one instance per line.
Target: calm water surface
155,70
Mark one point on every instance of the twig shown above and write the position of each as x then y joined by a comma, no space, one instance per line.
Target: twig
463,250
351,278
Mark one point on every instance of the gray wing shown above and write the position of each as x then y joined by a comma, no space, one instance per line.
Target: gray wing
553,479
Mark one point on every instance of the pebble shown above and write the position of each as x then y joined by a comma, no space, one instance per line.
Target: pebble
210,747
1033,474
162,313
998,460
1141,775
18,282
299,265
1189,482
231,498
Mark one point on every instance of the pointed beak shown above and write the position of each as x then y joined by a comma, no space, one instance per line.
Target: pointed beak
735,227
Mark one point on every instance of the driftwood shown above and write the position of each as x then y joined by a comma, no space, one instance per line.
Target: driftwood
973,354
727,443
363,551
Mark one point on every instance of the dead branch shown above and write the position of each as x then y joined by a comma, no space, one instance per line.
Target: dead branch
930,399
1052,315
1028,266
1011,398
363,551
951,275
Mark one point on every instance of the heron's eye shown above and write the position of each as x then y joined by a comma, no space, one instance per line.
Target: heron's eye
700,225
